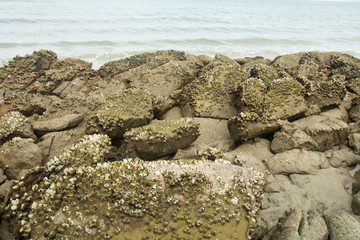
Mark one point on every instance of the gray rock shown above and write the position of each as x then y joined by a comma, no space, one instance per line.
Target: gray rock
297,161
19,154
57,124
355,204
325,131
161,138
343,226
258,147
298,225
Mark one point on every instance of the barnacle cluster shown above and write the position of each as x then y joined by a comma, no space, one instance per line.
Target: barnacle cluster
211,154
13,122
129,108
135,199
161,138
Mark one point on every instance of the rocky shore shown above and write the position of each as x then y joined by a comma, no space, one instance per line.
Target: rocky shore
168,145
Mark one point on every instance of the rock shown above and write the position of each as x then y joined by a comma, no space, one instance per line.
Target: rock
259,148
337,113
29,104
343,157
325,131
5,230
3,177
260,228
297,161
248,161
344,226
160,138
57,124
168,192
173,114
355,204
19,154
5,190
218,137
323,191
354,111
128,109
299,225
210,95
14,124
354,141
290,138
205,59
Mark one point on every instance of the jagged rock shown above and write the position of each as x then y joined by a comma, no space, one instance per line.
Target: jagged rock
210,95
298,225
160,138
168,192
128,109
19,154
297,161
205,59
290,138
57,124
343,226
31,103
355,204
325,131
323,191
218,137
14,124
342,157
336,113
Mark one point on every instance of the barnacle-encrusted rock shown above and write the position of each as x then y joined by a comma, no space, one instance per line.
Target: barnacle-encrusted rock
80,197
298,225
124,110
161,138
343,225
211,94
325,131
14,124
57,124
19,154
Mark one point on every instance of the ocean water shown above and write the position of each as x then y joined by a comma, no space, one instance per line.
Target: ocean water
103,30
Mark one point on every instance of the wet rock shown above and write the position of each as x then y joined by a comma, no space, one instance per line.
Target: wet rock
343,225
161,138
57,124
299,225
325,131
323,191
210,95
297,161
123,111
19,154
14,124
290,138
180,195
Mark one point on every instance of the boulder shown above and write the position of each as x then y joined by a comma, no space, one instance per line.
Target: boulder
136,199
19,154
298,225
125,110
14,124
57,124
344,226
160,138
290,137
323,191
297,161
325,131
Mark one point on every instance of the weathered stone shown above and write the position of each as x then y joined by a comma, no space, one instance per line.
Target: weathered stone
19,154
57,124
160,138
343,226
123,111
354,141
173,114
14,124
258,147
323,192
355,204
297,161
247,161
3,177
290,138
298,225
337,113
326,132
5,190
342,157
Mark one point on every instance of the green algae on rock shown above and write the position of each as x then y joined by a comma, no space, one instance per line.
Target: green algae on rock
83,197
122,111
161,138
15,124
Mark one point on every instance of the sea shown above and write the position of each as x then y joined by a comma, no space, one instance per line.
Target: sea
99,31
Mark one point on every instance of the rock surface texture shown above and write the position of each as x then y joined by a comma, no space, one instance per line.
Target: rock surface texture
169,145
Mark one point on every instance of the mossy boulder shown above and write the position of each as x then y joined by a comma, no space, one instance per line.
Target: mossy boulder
211,95
125,110
80,196
14,124
161,138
